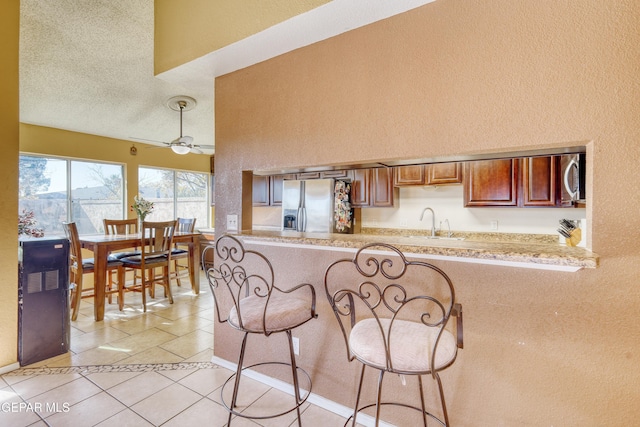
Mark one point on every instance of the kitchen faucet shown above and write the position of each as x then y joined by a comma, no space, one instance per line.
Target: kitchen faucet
433,220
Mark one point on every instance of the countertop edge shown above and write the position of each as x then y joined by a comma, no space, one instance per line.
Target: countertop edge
521,255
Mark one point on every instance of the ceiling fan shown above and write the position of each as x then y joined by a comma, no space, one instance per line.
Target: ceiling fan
183,144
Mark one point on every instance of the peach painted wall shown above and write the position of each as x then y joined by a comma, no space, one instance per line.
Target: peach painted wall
458,77
9,135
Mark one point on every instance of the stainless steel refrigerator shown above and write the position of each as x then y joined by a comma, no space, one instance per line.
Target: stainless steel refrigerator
312,206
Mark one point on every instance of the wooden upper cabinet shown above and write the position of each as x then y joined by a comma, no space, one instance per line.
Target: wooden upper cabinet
443,173
525,182
260,190
360,187
541,181
409,175
491,183
334,174
382,189
431,174
275,188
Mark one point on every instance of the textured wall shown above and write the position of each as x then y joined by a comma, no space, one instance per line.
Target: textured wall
9,32
456,77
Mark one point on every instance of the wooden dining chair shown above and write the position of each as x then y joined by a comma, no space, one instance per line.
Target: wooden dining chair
122,226
181,251
79,267
155,252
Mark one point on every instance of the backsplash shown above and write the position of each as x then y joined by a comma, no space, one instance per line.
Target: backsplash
476,236
447,204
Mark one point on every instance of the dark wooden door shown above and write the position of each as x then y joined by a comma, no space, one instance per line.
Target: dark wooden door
382,190
491,183
444,173
360,187
541,181
409,175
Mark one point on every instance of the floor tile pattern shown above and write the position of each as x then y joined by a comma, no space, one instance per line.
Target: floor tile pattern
140,369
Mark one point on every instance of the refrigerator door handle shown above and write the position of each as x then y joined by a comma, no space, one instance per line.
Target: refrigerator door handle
302,219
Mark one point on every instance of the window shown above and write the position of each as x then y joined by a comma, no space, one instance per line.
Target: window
59,190
175,194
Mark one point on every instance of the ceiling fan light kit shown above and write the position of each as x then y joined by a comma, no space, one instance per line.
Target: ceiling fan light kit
180,149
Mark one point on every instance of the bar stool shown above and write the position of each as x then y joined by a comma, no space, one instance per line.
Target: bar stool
393,315
245,297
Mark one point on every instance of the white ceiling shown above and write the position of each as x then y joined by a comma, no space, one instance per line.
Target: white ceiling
87,66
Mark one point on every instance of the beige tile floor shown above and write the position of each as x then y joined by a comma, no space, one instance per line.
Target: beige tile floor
140,369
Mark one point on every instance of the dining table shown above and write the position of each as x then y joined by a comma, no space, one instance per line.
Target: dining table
102,245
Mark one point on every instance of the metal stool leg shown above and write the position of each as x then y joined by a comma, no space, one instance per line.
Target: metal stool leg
444,405
294,369
379,397
424,410
237,379
355,408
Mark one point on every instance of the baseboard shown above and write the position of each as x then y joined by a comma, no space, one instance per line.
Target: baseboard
9,368
322,402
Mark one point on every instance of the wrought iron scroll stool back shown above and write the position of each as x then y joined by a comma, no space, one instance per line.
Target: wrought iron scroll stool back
246,297
393,314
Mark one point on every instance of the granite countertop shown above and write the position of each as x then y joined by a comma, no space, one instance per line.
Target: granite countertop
521,252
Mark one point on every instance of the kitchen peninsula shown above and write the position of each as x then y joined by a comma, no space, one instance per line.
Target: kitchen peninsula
536,255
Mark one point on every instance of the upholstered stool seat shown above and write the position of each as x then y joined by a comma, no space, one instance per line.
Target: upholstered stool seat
410,349
283,312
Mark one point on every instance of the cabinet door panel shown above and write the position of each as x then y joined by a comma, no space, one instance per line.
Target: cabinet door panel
360,187
491,183
409,175
540,181
382,188
444,173
260,191
334,174
308,175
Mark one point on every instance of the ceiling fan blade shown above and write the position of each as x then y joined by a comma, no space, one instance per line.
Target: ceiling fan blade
205,147
195,149
149,140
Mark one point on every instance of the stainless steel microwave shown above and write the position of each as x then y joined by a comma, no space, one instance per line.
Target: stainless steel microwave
574,168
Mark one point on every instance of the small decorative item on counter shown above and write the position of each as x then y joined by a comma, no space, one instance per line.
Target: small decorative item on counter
26,224
570,231
342,206
141,207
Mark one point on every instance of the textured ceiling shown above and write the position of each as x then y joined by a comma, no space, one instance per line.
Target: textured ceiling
87,66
